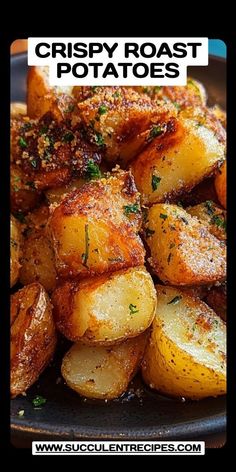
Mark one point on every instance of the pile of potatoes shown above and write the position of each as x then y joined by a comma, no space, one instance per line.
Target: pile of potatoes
112,242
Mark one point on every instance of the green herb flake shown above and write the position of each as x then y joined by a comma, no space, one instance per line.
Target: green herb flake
21,413
175,300
177,105
163,216
157,89
17,179
99,139
132,309
116,94
43,130
145,90
70,108
155,131
218,221
128,209
26,127
22,143
85,255
39,401
94,88
149,232
68,137
33,163
209,209
155,182
102,110
93,171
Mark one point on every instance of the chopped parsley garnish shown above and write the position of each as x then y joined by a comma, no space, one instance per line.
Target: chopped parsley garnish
33,163
155,131
149,232
218,221
93,171
86,253
132,309
26,127
116,94
208,205
22,143
99,139
163,216
157,89
68,137
131,209
175,300
155,181
70,108
39,401
177,105
145,90
102,109
94,89
43,130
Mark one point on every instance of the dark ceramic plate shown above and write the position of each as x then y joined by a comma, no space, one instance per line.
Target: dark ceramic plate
140,414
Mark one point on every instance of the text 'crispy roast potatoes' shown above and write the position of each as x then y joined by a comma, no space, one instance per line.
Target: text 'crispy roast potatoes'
221,185
177,160
16,248
94,229
183,252
106,309
103,372
186,352
33,336
212,216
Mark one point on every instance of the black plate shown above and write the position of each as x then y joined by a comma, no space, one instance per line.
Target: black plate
151,416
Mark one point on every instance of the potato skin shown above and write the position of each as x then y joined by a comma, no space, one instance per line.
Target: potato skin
91,230
212,216
33,336
16,250
179,159
102,372
183,252
99,310
221,185
186,352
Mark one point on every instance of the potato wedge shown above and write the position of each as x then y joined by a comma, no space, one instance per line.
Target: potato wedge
33,336
221,185
183,252
18,108
176,161
16,250
103,372
212,216
106,309
94,229
43,98
186,353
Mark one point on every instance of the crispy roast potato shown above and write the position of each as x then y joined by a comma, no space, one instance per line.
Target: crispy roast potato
176,161
219,114
120,120
24,196
33,336
94,229
37,219
103,372
16,250
43,98
221,185
212,216
186,353
105,309
183,252
216,298
56,195
18,108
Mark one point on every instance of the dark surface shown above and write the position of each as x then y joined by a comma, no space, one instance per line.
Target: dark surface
140,414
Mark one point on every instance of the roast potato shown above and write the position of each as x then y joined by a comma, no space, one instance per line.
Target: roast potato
216,298
105,309
16,248
24,196
18,108
43,98
55,195
183,252
212,216
33,336
221,185
186,353
103,372
94,229
177,160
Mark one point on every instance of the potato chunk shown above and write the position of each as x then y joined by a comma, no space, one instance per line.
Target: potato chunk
103,372
221,185
183,252
94,229
105,309
16,248
33,336
176,161
186,353
212,216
